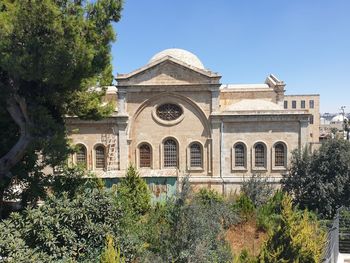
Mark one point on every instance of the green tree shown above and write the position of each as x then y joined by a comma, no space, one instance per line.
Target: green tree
52,52
64,229
297,237
134,191
321,181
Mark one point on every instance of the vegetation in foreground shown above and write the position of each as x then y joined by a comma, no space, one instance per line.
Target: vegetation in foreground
89,223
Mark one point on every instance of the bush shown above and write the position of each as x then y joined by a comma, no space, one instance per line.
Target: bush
134,191
70,229
110,254
257,189
209,197
297,237
188,230
269,213
245,207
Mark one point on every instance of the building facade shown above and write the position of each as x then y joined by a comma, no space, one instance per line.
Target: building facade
174,118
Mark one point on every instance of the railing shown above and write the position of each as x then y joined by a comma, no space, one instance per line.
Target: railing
331,251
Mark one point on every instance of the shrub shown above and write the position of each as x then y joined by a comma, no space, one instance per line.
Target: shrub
187,230
245,207
134,191
296,238
257,189
110,254
209,197
67,228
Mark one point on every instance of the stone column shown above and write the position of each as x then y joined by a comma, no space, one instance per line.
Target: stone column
121,100
216,147
215,101
123,145
304,132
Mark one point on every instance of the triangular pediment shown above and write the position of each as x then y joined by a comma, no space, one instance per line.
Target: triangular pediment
168,71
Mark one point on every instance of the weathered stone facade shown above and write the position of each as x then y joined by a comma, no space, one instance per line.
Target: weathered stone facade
217,134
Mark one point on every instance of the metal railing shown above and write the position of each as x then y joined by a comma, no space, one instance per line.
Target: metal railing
331,251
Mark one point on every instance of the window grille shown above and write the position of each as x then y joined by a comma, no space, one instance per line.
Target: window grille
196,155
279,155
169,112
311,104
100,157
259,155
286,104
145,155
170,153
81,155
294,104
303,104
239,155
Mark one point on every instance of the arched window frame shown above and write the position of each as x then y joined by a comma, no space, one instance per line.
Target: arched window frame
190,167
163,165
76,155
254,161
95,157
138,155
236,167
273,156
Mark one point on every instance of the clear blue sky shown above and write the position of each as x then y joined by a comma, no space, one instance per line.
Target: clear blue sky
306,43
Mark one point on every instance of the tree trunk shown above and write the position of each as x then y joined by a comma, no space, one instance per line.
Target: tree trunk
17,108
2,190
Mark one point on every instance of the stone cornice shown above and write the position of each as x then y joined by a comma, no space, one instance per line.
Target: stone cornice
259,117
169,87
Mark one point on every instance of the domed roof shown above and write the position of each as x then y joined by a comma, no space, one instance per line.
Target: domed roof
254,105
180,54
339,118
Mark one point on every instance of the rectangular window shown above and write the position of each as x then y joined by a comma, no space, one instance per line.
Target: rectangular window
311,104
312,119
286,104
294,104
302,104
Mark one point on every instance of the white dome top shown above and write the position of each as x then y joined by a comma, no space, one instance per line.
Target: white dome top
180,54
339,118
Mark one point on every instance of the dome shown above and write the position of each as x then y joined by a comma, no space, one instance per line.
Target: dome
180,54
339,118
254,105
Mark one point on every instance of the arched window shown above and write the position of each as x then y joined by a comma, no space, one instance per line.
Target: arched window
196,155
239,155
81,155
170,153
260,155
100,159
145,155
280,158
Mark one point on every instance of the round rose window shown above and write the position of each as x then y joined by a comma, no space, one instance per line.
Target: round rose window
169,112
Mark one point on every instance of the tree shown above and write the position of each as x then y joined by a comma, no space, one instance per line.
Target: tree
52,52
65,229
134,191
296,238
321,181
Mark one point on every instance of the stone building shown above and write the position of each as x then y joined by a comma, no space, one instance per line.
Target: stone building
174,118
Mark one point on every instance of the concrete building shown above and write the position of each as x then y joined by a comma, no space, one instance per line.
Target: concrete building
174,118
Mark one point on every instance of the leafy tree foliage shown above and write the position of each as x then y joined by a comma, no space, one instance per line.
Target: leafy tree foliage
257,189
69,229
297,237
52,51
135,190
321,181
110,254
188,230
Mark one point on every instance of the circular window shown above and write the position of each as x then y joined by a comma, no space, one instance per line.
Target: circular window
169,112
